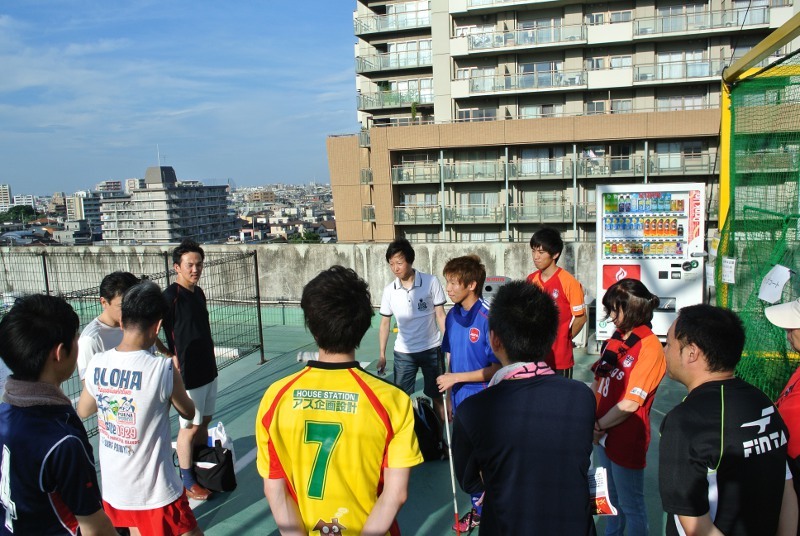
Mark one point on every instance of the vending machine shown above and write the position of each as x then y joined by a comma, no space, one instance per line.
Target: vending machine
654,233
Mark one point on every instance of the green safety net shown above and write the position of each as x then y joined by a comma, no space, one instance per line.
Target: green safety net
761,227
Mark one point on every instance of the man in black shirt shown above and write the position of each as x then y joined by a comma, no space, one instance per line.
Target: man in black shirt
722,456
188,334
527,439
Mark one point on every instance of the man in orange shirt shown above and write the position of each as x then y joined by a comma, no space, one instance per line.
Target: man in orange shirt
567,292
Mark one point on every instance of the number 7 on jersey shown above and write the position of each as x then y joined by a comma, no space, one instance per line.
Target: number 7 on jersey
327,435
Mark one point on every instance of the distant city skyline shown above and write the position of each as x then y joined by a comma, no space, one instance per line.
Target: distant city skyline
240,91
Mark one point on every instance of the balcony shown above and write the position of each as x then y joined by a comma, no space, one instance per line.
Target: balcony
608,166
417,214
526,81
552,168
393,99
678,70
482,170
475,214
697,22
368,213
416,173
363,138
586,212
527,38
682,164
391,61
488,3
391,23
768,162
366,176
541,212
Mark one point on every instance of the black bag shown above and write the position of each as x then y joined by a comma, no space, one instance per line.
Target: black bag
213,468
428,428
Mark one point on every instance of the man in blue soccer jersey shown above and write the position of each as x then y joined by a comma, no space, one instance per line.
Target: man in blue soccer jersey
466,339
48,483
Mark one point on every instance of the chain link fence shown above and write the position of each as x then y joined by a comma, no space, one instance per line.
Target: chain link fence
230,282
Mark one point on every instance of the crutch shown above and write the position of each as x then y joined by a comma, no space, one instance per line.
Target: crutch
449,448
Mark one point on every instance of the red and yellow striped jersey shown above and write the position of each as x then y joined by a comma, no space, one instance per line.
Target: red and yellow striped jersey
329,430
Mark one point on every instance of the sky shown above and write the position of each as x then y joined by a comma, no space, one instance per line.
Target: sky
246,90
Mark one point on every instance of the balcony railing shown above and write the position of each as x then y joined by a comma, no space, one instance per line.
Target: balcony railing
620,166
678,70
422,172
393,22
484,3
484,170
586,212
417,214
547,211
526,81
695,22
368,213
366,176
475,213
393,99
393,60
768,162
682,164
532,37
551,168
363,138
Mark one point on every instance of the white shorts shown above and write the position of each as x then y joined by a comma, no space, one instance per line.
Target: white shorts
205,400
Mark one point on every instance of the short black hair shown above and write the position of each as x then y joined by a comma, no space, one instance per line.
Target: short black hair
718,332
337,309
525,319
31,329
187,246
116,283
548,239
142,306
400,245
635,301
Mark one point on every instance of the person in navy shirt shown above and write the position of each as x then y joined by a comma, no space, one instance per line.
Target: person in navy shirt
48,483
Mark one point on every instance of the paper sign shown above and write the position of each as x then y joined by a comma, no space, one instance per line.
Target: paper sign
710,272
598,493
713,247
773,283
728,270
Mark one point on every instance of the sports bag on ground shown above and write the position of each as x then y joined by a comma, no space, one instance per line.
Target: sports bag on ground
213,468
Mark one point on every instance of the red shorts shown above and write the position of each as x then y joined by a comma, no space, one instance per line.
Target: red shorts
174,519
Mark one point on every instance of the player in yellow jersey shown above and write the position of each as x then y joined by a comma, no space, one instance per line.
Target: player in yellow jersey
336,444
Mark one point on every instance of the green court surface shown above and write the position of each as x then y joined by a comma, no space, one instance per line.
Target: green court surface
429,510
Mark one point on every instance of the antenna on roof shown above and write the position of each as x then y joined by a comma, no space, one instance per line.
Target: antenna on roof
158,156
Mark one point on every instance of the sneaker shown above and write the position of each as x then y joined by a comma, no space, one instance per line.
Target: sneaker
470,520
197,492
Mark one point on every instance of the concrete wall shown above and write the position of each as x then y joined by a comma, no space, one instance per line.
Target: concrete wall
285,268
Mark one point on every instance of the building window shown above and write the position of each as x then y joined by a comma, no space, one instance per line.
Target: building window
595,107
621,106
477,114
533,111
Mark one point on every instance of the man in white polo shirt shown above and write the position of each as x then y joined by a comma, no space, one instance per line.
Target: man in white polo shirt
416,300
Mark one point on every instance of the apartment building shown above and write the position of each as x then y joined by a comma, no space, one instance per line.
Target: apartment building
6,200
165,211
485,119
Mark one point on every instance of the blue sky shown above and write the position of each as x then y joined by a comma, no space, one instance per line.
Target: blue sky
247,90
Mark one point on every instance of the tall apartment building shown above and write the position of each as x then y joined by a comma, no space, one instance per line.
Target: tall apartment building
167,212
485,119
133,184
5,197
24,200
109,186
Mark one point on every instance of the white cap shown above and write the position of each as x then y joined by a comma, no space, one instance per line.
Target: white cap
784,315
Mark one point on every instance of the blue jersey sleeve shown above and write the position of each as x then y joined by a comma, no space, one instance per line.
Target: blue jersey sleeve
69,471
448,321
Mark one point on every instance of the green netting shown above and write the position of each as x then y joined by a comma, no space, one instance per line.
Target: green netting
761,228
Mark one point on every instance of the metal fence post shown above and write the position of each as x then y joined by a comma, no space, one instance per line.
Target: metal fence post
258,308
44,273
166,267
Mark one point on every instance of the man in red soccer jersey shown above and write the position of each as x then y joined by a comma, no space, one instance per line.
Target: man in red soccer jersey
546,248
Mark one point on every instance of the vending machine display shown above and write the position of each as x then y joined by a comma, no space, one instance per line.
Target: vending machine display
654,233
